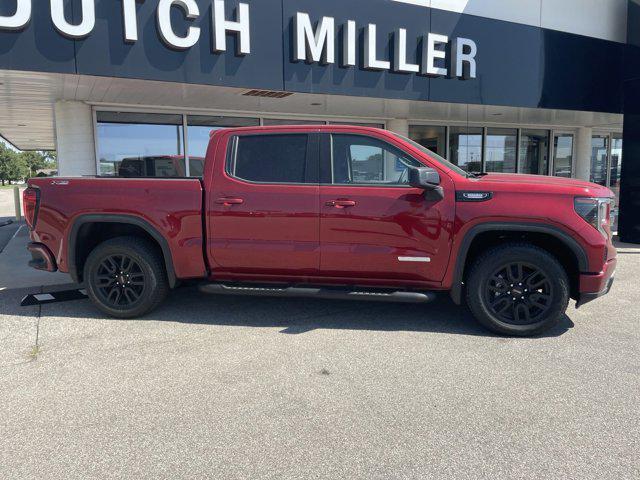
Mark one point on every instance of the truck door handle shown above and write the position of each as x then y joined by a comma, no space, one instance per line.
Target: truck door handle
341,203
227,201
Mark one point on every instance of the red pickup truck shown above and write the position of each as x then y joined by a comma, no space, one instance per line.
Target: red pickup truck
335,212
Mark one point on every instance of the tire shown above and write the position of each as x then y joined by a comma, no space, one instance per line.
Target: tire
125,277
517,289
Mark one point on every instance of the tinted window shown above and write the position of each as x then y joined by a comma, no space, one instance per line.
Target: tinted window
270,158
359,159
196,166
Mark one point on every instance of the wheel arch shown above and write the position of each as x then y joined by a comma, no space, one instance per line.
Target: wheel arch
75,263
508,228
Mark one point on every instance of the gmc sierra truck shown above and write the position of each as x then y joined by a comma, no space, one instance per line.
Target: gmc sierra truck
339,212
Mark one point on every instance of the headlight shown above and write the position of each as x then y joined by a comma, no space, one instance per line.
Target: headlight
595,211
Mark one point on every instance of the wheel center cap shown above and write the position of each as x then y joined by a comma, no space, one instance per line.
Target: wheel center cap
121,279
517,291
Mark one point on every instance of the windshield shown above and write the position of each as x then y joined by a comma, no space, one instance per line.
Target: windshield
433,155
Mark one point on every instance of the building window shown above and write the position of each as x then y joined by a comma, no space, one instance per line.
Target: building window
616,161
534,152
614,176
284,121
359,124
270,158
599,155
433,138
199,128
140,144
500,150
563,155
357,159
465,148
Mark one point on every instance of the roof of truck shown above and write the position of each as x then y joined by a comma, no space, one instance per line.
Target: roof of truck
301,128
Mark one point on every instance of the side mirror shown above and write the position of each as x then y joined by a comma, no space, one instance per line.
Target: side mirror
424,177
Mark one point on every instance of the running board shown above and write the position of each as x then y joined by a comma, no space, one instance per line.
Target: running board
319,292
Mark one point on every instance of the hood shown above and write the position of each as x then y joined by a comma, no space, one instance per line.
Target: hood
542,183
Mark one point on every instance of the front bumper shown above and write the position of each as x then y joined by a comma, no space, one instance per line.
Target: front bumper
41,257
595,286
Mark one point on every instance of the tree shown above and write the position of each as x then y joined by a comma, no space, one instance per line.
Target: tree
52,158
35,161
12,166
18,169
7,156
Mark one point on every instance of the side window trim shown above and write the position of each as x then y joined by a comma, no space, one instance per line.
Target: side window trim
312,158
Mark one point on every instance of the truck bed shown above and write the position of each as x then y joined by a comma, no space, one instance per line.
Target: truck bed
172,207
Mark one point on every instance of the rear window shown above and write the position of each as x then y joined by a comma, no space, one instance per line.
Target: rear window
269,158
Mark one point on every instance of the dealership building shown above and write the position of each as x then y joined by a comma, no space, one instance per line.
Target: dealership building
544,87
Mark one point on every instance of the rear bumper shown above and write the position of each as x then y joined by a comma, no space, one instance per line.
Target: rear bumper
595,286
41,257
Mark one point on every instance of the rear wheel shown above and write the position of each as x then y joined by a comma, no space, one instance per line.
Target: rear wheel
517,289
125,277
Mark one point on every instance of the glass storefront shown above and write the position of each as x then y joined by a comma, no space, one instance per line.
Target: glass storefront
615,170
465,148
563,155
134,144
534,152
284,121
606,167
359,124
433,138
599,155
500,150
198,129
154,145
140,144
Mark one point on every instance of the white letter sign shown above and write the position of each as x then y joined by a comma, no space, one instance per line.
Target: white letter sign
165,28
221,26
318,46
81,30
18,20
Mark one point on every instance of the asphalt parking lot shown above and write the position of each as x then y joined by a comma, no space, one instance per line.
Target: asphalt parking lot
229,387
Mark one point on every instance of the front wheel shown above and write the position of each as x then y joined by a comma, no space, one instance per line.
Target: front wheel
517,289
125,277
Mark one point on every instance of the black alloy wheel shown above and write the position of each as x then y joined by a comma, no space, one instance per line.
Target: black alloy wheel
120,281
518,293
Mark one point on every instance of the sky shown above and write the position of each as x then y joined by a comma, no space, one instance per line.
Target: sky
8,144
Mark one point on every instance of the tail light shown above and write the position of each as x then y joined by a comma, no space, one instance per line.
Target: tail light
595,211
30,204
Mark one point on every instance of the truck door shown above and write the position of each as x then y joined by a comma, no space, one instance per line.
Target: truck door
263,210
373,225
